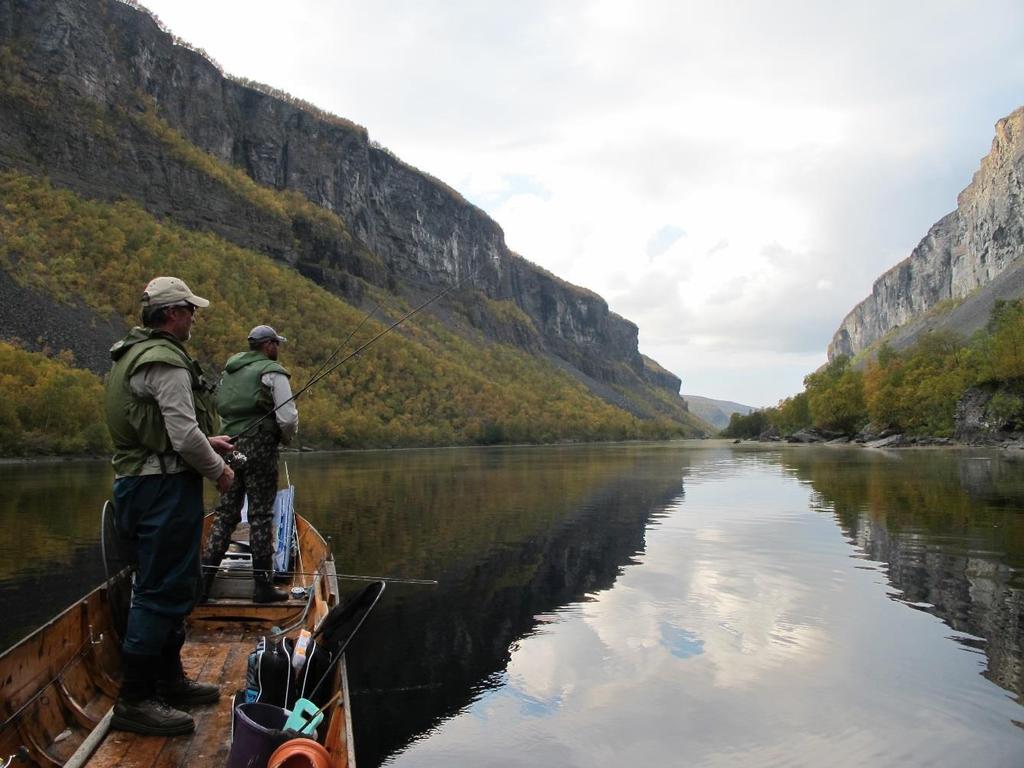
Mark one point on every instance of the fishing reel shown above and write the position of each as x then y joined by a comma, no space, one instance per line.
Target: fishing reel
236,459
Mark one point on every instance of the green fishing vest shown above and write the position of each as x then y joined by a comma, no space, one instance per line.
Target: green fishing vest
242,398
135,423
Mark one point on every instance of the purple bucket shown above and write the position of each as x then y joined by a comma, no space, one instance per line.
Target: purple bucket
256,731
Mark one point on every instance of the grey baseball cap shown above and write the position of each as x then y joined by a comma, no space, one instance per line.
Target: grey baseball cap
263,333
163,291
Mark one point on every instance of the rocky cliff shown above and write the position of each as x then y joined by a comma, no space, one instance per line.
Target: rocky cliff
970,258
100,99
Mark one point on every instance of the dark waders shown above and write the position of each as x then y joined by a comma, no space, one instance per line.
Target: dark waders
163,517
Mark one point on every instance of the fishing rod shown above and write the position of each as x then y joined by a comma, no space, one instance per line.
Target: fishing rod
384,332
389,579
326,372
345,576
334,354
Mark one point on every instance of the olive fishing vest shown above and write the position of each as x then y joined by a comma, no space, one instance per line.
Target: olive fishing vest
135,422
242,398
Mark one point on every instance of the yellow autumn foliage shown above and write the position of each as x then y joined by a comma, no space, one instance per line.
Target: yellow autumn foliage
421,385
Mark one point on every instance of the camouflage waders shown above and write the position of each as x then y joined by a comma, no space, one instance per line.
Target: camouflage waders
257,480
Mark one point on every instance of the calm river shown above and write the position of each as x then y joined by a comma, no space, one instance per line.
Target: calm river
683,604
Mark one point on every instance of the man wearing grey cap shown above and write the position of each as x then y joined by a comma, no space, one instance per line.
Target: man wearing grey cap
253,386
163,420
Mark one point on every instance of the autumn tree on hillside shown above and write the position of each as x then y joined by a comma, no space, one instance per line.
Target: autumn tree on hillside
835,396
792,414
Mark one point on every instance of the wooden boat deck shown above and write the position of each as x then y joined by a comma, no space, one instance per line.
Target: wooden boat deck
217,657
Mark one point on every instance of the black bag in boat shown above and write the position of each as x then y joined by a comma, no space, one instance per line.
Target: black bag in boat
273,676
268,677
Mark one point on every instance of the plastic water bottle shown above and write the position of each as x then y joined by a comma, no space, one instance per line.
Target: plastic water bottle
299,654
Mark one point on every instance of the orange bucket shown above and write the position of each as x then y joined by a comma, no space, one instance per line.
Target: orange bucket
300,753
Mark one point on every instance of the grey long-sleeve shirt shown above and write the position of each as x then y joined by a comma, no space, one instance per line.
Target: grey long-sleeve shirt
287,416
171,387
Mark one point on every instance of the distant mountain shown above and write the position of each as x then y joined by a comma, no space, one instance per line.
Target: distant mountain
715,412
123,149
969,259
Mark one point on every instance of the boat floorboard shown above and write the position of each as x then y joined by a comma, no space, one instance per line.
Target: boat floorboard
218,657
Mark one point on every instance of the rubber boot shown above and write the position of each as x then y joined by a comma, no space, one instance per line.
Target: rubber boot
138,709
171,683
263,589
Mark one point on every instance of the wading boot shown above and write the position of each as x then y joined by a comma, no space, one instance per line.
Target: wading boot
171,683
263,589
138,709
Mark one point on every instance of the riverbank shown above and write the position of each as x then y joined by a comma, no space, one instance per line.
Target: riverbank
896,440
285,452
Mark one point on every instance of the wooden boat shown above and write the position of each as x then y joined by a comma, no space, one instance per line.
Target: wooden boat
57,686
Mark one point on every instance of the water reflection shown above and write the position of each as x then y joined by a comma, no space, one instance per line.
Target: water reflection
949,526
676,604
741,632
510,534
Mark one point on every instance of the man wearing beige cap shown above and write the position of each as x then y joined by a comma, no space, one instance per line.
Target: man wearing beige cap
161,416
253,386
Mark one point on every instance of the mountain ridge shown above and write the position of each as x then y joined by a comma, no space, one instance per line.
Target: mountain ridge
422,231
99,99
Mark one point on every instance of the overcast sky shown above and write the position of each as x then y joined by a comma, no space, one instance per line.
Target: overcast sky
731,176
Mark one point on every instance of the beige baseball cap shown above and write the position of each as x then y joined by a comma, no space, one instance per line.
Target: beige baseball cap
163,291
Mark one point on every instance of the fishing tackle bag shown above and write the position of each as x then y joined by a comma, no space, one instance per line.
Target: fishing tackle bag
272,678
268,676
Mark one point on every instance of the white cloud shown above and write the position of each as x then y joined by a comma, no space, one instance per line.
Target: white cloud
802,147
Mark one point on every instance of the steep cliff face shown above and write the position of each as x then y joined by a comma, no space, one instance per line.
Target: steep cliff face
103,68
965,257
